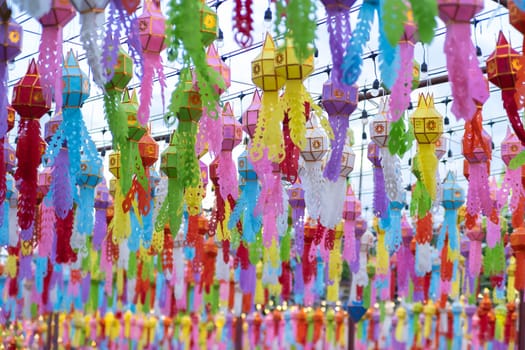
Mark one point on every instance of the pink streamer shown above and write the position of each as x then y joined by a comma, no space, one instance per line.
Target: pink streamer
208,133
400,97
478,198
152,64
474,261
227,175
466,80
49,61
47,223
493,233
107,267
511,182
445,287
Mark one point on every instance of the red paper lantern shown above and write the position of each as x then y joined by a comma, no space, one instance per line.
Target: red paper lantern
31,104
148,149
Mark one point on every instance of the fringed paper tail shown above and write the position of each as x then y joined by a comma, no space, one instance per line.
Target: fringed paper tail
349,251
3,98
423,259
428,165
380,197
339,125
290,164
100,229
61,185
313,184
64,227
393,237
92,38
493,233
474,259
478,196
72,120
4,226
292,102
152,61
332,202
29,140
458,51
400,97
512,112
175,195
49,59
227,175
85,210
392,174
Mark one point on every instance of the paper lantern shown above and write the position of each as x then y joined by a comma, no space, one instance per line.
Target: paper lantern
218,65
129,107
208,27
251,115
31,104
476,235
204,173
466,78
380,126
114,164
510,147
441,147
516,16
268,134
339,101
453,197
152,28
50,50
502,67
11,37
427,124
149,150
51,127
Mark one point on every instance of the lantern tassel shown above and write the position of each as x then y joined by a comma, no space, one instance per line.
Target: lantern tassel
400,97
45,245
100,228
380,197
392,173
290,164
72,129
3,98
61,185
349,251
64,227
245,206
460,53
91,37
332,202
423,259
152,64
85,210
478,198
509,103
333,166
243,24
353,61
4,227
292,102
207,134
313,187
428,164
474,261
227,176
175,194
29,140
49,61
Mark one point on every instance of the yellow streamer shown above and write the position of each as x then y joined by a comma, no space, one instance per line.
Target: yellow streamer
259,289
220,321
429,310
382,253
401,326
223,233
127,324
268,133
10,265
511,272
121,224
193,198
120,281
186,328
428,165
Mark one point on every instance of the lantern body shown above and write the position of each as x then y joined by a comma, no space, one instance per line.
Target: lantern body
250,116
152,28
214,61
510,147
43,183
245,167
123,72
339,99
85,6
61,13
476,141
51,127
29,99
453,195
347,161
90,172
114,164
208,24
426,121
148,150
476,233
380,126
516,16
441,146
102,198
360,227
337,5
352,206
231,129
316,146
9,156
191,104
296,196
129,107
11,32
130,5
11,114
263,68
76,83
458,10
168,161
503,64
288,66
374,154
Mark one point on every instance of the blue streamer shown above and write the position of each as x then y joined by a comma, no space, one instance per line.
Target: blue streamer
245,207
4,228
85,221
2,285
40,273
388,57
134,237
352,61
72,129
319,286
147,229
393,236
298,287
410,330
434,281
458,334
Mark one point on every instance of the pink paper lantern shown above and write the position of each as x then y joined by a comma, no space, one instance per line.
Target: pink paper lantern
231,129
250,116
215,62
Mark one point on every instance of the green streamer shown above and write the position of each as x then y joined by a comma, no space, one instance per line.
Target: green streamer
285,247
301,23
425,12
394,17
400,138
494,260
132,266
175,201
517,161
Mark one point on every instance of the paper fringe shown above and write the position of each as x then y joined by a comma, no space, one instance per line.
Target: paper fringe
207,134
227,175
152,63
91,36
100,228
333,165
332,202
423,259
428,163
61,186
29,140
391,165
380,197
400,97
243,23
49,61
474,258
292,102
478,197
313,184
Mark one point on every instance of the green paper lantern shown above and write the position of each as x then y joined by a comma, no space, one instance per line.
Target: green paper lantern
123,72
